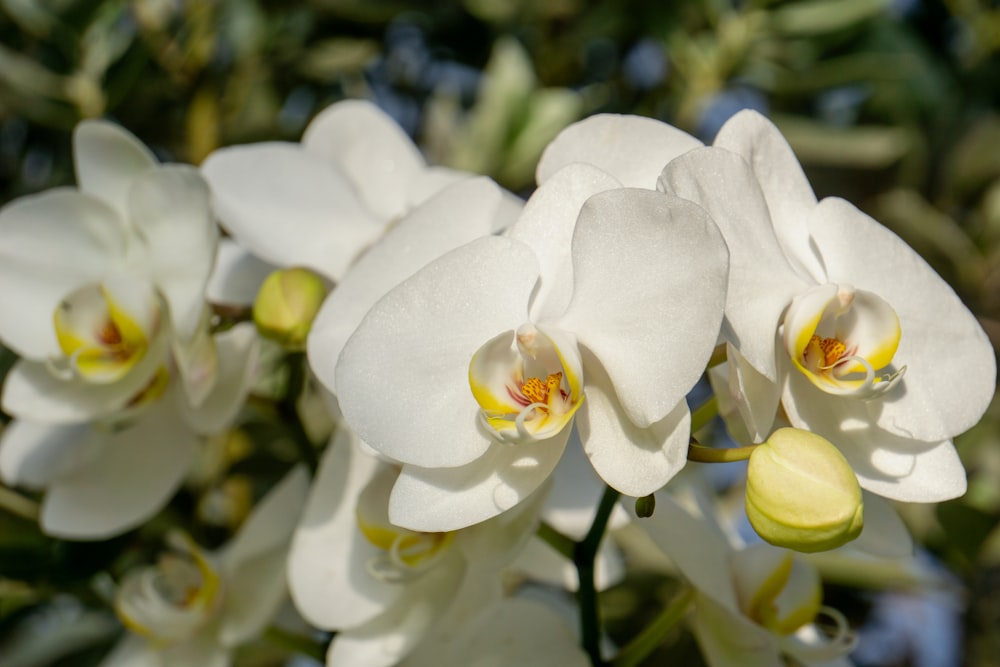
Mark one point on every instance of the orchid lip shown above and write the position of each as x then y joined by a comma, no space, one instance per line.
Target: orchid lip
528,383
841,338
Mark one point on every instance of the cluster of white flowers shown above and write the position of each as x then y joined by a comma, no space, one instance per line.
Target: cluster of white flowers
475,352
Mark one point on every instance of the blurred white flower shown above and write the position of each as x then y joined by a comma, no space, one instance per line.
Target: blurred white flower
193,607
97,283
486,354
386,589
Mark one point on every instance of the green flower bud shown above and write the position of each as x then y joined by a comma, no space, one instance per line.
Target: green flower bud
802,493
645,506
286,306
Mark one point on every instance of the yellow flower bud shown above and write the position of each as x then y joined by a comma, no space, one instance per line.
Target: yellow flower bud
286,306
802,493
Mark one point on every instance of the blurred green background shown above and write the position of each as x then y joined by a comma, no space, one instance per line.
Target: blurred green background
892,104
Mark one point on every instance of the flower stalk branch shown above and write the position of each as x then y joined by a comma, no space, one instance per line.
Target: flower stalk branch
653,635
583,557
555,539
17,504
703,454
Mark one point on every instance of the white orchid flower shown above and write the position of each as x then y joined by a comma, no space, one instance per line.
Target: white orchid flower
752,606
194,607
386,589
103,478
321,202
98,283
827,312
832,313
471,371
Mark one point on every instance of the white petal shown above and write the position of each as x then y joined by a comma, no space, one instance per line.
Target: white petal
371,150
789,197
31,391
237,353
256,591
695,544
633,149
755,396
402,378
289,207
132,651
430,181
547,225
516,632
576,493
442,499
391,636
53,243
201,650
170,210
33,454
761,280
133,475
729,639
890,465
950,368
237,275
635,461
269,527
326,564
459,214
107,159
884,534
494,543
649,289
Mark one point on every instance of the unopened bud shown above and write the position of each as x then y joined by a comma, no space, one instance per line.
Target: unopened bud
645,506
802,493
286,306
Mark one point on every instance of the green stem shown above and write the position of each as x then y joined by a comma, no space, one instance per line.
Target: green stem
556,540
294,642
703,454
653,635
584,555
288,408
704,413
17,504
718,356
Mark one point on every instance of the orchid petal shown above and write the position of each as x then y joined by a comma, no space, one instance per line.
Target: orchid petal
633,149
515,632
695,544
729,639
761,281
370,149
170,210
253,562
653,326
890,465
442,499
412,352
459,214
236,276
756,397
34,454
326,565
884,535
237,352
32,391
54,243
635,461
547,225
390,637
201,650
289,207
950,371
790,199
107,159
133,651
130,478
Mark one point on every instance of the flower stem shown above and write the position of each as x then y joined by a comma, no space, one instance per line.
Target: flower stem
704,413
17,504
555,539
584,555
288,408
703,454
653,635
